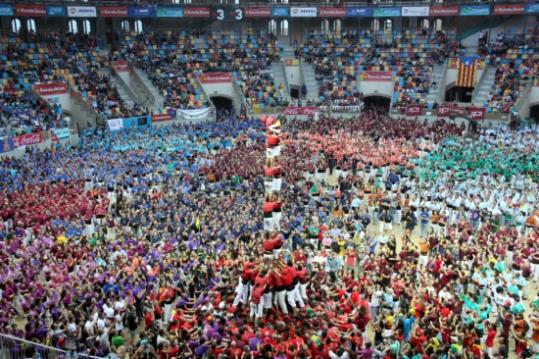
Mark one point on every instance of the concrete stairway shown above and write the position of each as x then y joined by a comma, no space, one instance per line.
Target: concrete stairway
159,99
125,94
484,86
279,77
436,90
311,83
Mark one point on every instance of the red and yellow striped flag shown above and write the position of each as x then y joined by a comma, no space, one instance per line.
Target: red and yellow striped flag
466,71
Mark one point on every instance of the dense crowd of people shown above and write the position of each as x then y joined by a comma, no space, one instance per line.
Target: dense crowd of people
397,239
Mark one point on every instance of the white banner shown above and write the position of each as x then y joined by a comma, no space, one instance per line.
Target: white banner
415,11
195,114
303,12
115,124
81,11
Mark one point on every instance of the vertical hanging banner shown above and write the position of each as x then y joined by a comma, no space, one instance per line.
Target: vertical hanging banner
196,12
33,10
466,71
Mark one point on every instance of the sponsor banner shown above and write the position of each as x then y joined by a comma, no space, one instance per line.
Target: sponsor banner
215,77
532,8
27,139
303,11
62,133
414,110
196,12
297,110
393,11
139,121
383,76
120,65
53,100
415,11
444,10
81,11
169,11
53,88
6,145
112,11
280,12
474,10
444,111
141,11
115,124
509,9
291,62
332,12
56,11
476,113
196,114
359,11
36,10
258,12
161,117
6,10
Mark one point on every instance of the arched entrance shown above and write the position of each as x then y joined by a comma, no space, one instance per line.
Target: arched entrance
222,103
294,91
458,94
534,113
377,102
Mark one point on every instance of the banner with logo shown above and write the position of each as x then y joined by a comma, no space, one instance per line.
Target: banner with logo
141,11
474,10
258,11
444,111
120,65
359,11
280,12
303,11
56,11
196,12
326,11
509,9
477,113
37,10
134,122
215,77
444,10
415,11
53,88
112,11
196,114
161,117
169,11
62,133
81,11
27,139
413,110
382,76
115,124
300,110
393,11
532,8
6,10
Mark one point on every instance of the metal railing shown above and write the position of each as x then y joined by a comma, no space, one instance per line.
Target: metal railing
16,348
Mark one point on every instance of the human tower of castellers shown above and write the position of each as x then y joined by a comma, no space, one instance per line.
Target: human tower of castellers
270,281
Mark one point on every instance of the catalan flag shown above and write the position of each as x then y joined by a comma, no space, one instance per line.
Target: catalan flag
466,71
